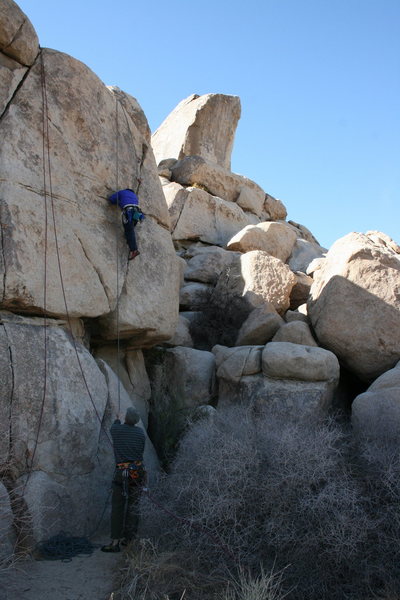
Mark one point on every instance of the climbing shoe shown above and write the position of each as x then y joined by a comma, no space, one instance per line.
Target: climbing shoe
111,548
133,254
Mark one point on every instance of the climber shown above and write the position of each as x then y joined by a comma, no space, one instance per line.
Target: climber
128,202
128,481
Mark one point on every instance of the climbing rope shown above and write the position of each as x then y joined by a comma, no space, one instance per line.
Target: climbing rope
64,547
117,246
51,196
46,221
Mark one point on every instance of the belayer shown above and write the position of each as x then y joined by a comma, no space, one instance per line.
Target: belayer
128,481
128,202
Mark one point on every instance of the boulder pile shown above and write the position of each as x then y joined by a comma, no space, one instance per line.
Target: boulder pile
228,301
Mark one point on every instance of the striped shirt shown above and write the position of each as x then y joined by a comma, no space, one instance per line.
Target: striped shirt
128,442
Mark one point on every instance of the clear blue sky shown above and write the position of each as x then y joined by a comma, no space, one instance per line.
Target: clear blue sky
319,82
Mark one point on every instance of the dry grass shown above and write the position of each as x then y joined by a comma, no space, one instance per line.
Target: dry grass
249,490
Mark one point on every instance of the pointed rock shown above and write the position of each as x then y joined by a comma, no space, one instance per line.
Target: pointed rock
199,125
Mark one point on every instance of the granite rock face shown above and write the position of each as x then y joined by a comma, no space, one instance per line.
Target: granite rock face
84,235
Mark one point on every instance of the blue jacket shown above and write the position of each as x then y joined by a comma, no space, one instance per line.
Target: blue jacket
124,198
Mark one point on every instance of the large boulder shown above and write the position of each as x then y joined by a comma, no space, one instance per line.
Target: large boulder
52,418
375,414
234,363
259,327
287,360
294,379
354,304
221,182
82,115
293,397
18,38
266,279
277,239
207,263
200,216
182,379
296,332
203,125
255,280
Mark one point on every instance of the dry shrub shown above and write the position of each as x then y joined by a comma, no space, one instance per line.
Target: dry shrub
247,490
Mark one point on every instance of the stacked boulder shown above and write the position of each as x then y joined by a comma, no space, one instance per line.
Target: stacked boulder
278,311
68,295
244,275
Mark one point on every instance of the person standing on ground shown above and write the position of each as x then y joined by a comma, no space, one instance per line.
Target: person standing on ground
129,478
128,202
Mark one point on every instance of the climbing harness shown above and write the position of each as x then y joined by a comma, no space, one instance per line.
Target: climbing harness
131,472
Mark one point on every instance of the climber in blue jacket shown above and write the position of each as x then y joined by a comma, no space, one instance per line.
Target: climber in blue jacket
128,202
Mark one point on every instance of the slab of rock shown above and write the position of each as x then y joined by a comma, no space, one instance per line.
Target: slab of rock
82,121
293,397
61,442
301,290
259,327
199,125
273,209
285,360
234,363
207,263
277,239
218,181
303,253
266,279
375,414
354,304
69,431
148,305
200,216
18,38
296,332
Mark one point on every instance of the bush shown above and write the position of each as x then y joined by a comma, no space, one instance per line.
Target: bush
269,492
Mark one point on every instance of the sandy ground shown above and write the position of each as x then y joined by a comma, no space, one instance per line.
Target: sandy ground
86,577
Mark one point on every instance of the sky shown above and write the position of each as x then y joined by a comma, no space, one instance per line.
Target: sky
319,83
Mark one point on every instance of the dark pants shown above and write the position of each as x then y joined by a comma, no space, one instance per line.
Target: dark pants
129,228
119,529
